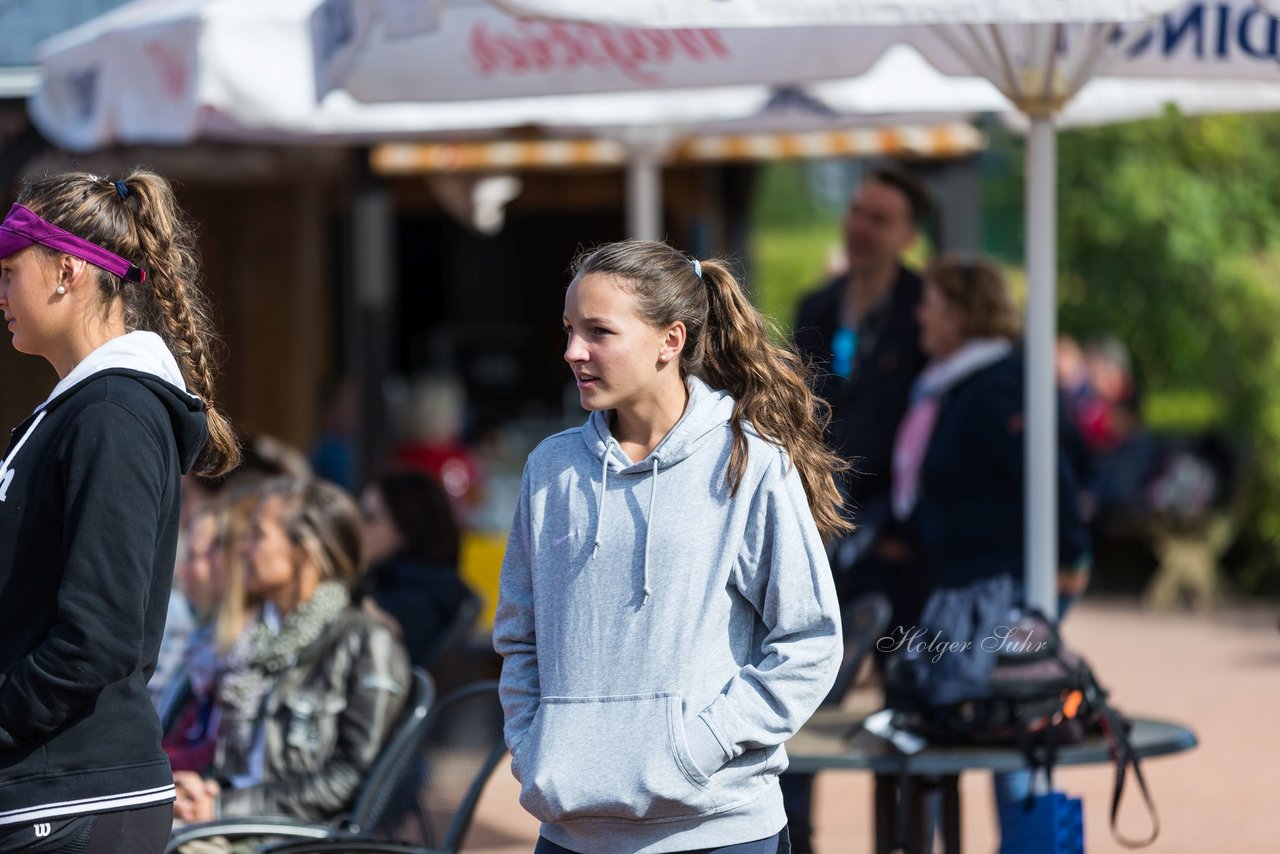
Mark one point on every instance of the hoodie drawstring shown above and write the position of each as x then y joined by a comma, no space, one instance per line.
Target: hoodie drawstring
4,466
648,529
604,482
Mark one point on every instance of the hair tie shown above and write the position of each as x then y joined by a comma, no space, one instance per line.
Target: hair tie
121,189
697,268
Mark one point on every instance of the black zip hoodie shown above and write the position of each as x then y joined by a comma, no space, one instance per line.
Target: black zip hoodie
89,496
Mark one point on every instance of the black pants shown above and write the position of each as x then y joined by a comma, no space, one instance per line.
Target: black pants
797,800
140,831
779,843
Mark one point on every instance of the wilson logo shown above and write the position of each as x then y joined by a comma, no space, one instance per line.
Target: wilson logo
43,829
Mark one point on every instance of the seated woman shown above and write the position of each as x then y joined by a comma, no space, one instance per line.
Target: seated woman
322,684
211,576
411,544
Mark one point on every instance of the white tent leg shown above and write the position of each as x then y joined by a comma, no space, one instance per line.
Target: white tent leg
1041,388
644,193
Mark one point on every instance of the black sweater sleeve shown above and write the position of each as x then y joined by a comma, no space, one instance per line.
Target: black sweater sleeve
114,486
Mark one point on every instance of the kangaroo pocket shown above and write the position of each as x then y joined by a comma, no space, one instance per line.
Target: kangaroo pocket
610,758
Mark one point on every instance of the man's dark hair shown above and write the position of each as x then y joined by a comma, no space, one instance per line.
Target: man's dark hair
918,198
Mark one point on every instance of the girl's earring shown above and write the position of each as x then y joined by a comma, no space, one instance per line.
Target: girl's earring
62,289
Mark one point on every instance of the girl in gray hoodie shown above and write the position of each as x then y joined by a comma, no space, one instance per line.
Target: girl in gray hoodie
666,615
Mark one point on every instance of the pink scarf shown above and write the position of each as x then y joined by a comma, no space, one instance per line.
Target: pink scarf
908,453
916,429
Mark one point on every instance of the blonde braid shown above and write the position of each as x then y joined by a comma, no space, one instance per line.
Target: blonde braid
182,318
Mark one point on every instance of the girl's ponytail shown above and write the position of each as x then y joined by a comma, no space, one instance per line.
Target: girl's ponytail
181,316
768,382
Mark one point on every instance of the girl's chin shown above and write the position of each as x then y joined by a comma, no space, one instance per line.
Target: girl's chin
592,400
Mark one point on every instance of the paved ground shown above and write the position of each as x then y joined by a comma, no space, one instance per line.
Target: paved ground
1218,672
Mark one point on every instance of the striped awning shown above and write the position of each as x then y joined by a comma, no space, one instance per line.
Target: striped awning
954,139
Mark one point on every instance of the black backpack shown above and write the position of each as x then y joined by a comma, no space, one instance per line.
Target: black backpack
1042,695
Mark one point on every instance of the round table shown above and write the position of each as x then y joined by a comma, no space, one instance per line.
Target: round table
834,740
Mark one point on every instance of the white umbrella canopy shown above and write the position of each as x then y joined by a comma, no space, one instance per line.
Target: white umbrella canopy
463,49
440,50
1039,53
171,71
809,13
435,50
143,73
903,81
174,71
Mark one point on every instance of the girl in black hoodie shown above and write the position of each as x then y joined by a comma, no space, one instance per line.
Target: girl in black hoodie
99,277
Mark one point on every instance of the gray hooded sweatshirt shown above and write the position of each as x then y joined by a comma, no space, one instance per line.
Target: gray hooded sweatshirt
661,641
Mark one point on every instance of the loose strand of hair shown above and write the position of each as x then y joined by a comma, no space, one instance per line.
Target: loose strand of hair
184,321
768,384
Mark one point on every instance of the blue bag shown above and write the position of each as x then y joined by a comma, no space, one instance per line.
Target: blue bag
1049,823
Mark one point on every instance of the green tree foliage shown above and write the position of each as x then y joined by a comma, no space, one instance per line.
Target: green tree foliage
1169,238
792,236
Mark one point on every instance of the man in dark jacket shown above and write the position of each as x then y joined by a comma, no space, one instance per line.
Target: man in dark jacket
861,335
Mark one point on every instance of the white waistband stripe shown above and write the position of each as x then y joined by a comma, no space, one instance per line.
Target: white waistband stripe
107,803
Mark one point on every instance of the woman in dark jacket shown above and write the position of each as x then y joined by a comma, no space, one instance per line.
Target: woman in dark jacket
411,544
319,685
958,459
99,278
959,479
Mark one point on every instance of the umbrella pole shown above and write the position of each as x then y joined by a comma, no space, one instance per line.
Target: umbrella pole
1041,388
644,192
372,330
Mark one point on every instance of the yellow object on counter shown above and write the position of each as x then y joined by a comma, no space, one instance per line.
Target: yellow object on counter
480,566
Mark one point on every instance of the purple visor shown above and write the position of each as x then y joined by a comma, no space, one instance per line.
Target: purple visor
21,228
